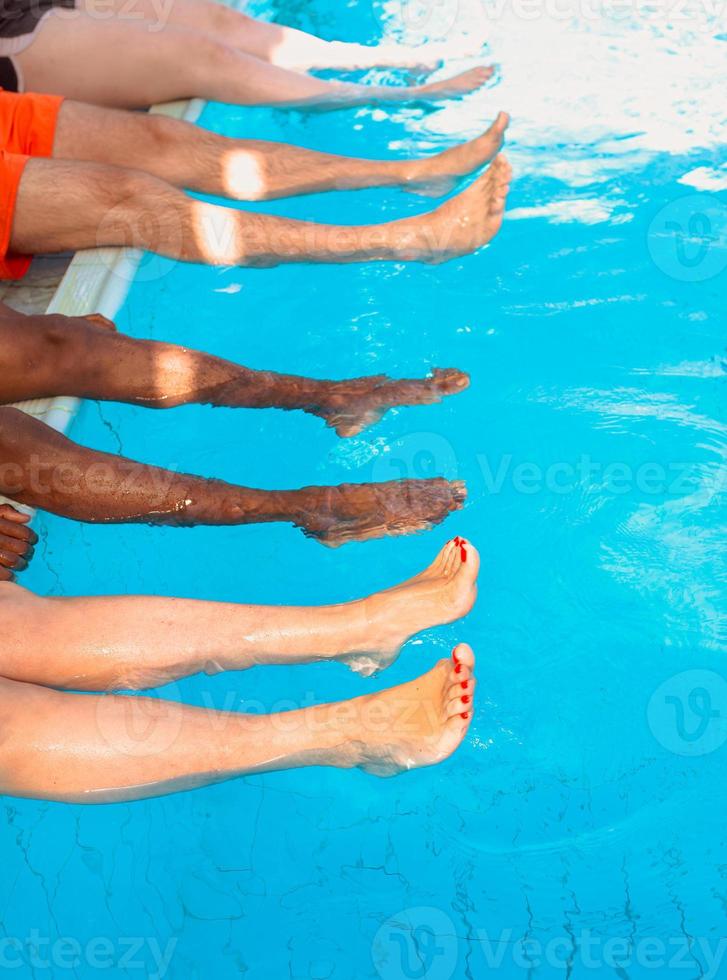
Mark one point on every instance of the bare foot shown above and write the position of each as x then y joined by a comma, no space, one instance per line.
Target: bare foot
349,407
459,226
442,593
16,542
452,88
437,175
412,725
360,511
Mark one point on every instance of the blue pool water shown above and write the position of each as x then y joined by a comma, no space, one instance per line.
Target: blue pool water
579,831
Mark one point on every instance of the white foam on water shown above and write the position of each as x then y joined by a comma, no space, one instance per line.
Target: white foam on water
659,87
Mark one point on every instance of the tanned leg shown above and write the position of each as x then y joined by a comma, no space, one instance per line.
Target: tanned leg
251,170
135,642
43,469
47,356
67,205
87,749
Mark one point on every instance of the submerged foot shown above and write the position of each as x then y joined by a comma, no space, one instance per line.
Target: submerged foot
453,88
415,724
437,175
459,226
359,511
442,593
349,407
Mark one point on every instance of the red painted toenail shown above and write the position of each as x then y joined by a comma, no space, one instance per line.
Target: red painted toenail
465,714
454,655
463,554
466,699
458,669
464,685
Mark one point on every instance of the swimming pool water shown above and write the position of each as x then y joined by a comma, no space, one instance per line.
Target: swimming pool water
579,831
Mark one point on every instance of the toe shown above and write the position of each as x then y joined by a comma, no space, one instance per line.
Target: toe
459,493
457,726
450,380
502,122
449,564
439,566
504,170
461,696
468,557
462,702
464,655
497,207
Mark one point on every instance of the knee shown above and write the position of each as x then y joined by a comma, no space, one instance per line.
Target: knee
7,696
115,189
160,134
15,604
20,612
224,21
128,203
206,54
54,344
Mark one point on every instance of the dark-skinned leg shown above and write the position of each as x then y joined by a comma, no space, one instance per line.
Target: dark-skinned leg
84,357
44,469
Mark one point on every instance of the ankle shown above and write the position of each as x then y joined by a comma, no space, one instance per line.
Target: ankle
338,731
361,620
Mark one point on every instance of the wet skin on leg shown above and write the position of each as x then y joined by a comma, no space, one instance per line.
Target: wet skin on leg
84,357
69,205
84,748
253,170
133,642
43,469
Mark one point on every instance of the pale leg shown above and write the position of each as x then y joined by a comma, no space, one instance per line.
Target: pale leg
100,749
124,64
136,642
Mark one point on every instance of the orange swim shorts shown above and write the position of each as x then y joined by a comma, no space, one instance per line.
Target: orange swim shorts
27,129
